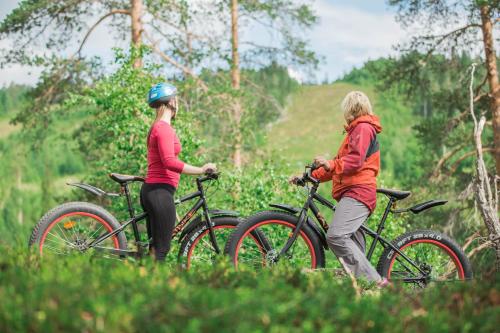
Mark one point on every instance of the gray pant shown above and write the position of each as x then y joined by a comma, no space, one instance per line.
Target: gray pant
347,241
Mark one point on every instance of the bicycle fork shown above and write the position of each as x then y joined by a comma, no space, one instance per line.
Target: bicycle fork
301,220
209,221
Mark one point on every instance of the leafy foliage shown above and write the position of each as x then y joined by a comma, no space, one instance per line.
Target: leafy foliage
52,295
12,99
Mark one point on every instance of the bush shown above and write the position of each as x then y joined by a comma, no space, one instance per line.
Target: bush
89,295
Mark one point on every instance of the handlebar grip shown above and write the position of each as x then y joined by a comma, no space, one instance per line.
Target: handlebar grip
209,175
301,182
213,175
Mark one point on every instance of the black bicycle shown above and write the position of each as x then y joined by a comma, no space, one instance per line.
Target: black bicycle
80,227
416,257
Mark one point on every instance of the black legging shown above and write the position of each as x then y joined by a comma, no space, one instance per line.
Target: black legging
158,201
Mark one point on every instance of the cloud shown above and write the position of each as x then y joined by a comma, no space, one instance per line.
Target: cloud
19,74
295,74
348,36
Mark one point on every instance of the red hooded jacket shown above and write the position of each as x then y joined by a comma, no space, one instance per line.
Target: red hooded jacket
355,168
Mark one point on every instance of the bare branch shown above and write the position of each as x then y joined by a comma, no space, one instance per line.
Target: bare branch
186,70
455,164
470,239
443,159
441,38
479,248
113,12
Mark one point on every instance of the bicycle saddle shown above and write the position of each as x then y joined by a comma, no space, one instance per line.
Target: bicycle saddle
122,179
396,194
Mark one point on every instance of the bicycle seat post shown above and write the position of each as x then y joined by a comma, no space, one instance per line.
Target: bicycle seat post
129,200
131,211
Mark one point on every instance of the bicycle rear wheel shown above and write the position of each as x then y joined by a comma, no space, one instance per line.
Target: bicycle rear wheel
68,229
306,251
437,255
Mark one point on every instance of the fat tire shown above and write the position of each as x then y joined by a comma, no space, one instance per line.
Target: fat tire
190,238
251,221
76,206
388,254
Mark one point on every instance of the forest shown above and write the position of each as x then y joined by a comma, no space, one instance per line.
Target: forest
438,99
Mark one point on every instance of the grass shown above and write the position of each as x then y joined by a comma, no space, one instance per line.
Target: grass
313,125
6,128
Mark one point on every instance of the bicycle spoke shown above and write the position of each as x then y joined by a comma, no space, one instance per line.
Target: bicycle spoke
95,232
62,232
435,263
56,250
71,235
55,242
277,234
70,244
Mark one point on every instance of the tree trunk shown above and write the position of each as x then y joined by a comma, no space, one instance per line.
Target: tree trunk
235,66
136,23
491,67
486,198
235,82
20,215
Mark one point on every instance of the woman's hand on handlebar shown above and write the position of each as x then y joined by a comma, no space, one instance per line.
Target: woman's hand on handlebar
294,179
320,161
209,168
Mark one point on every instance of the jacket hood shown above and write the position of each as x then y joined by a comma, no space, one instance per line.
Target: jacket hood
369,119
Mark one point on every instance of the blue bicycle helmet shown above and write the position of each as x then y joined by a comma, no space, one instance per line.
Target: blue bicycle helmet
161,93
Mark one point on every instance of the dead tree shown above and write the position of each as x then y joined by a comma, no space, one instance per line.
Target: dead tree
486,198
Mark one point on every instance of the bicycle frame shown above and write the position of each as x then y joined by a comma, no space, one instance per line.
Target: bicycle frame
376,235
201,203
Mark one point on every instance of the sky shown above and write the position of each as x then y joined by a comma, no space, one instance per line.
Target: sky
349,33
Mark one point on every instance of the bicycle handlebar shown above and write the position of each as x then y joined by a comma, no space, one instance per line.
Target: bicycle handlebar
209,176
307,176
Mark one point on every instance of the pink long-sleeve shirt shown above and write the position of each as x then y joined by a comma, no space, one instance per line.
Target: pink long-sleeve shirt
163,148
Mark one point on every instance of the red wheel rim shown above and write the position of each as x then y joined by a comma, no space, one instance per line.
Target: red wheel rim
288,224
191,249
446,249
101,220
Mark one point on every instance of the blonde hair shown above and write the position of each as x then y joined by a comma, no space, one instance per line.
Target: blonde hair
356,104
160,111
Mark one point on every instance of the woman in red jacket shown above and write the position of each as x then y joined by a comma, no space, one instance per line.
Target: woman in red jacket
164,169
353,173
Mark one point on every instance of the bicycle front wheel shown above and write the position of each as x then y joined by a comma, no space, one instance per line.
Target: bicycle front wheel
197,249
436,258
278,227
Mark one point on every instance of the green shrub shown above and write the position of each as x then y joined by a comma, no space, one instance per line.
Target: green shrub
89,295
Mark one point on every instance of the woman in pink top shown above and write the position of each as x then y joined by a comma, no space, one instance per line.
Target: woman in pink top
164,169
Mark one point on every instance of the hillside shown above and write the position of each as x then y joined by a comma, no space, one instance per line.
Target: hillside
313,124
